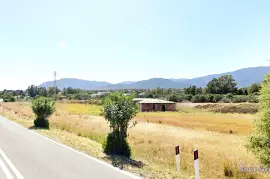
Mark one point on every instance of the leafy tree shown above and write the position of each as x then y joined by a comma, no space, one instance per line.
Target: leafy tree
118,109
41,91
43,108
190,90
199,91
259,141
53,91
174,98
8,98
255,87
193,90
223,85
32,91
187,90
213,87
227,84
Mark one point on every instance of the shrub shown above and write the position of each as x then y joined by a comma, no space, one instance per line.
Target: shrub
187,97
174,98
240,99
195,99
259,141
8,98
217,98
43,108
202,98
198,98
209,98
253,99
229,96
116,144
118,109
225,100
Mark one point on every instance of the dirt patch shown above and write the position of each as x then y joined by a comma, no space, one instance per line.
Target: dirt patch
243,108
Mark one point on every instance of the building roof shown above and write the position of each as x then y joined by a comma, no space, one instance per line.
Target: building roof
151,101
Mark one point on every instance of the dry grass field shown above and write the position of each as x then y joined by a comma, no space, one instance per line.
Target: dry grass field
220,139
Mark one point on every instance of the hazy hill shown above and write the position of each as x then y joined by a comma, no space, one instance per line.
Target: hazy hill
76,83
244,77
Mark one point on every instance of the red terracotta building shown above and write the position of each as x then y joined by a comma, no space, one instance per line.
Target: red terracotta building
149,104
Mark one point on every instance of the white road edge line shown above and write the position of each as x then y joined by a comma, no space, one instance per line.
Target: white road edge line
78,152
11,166
5,170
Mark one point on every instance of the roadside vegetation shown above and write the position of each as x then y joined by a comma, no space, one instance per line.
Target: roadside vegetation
220,138
259,141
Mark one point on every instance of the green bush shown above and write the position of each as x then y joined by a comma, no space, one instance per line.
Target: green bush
217,98
229,96
187,97
195,99
259,140
253,99
8,98
225,100
116,144
43,108
198,98
209,98
240,99
174,98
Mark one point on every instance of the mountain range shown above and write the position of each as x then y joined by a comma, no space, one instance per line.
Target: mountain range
244,77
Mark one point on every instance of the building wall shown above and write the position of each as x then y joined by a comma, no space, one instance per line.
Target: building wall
157,107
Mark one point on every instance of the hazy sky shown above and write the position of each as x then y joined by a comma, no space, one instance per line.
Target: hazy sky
120,40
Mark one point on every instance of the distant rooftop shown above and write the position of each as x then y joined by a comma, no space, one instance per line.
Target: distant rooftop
151,100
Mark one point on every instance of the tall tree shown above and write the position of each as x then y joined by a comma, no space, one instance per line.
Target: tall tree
223,85
118,109
213,87
255,87
32,91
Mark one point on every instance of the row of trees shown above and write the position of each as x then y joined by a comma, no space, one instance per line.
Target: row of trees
222,89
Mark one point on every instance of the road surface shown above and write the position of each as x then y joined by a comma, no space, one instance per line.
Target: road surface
27,155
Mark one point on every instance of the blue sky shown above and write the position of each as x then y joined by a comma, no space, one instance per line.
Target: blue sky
130,40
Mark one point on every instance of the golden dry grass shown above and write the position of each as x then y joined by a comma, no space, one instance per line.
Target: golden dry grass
90,109
153,144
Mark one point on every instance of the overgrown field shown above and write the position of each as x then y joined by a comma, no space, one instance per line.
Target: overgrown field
220,139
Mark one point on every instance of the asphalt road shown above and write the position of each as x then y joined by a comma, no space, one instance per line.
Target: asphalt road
27,155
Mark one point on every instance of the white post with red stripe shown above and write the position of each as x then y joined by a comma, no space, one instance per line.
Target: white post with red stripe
177,158
196,164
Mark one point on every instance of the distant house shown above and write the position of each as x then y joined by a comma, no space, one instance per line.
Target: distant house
149,104
99,94
1,100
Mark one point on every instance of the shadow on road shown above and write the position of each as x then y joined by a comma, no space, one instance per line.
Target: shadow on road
120,162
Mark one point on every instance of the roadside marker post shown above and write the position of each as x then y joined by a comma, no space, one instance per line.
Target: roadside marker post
196,164
177,158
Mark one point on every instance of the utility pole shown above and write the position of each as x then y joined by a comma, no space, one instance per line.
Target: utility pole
54,82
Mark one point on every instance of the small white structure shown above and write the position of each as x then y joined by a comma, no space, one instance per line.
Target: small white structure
1,100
